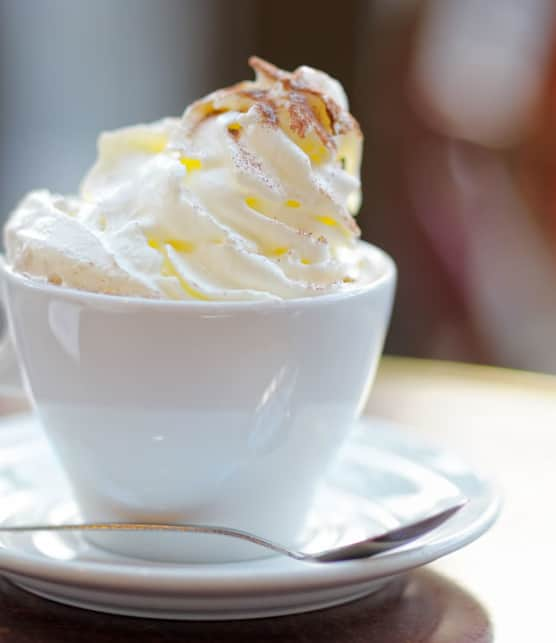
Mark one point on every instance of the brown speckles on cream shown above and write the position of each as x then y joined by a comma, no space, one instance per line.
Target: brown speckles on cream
268,113
246,162
274,94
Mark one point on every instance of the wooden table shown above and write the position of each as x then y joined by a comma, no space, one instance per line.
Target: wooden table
496,589
504,422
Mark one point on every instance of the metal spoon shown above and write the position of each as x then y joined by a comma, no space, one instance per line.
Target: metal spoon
361,549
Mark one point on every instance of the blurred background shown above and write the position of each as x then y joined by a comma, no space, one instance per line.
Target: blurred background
457,101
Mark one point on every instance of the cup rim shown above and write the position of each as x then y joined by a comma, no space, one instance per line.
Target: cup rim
387,273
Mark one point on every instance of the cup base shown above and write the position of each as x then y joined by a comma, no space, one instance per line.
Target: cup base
177,548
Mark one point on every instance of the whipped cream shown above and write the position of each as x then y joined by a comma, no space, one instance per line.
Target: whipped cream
250,195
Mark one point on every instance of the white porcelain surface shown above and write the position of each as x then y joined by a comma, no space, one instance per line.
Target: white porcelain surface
384,477
203,412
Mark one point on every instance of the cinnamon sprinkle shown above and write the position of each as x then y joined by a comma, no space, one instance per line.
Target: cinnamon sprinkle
276,91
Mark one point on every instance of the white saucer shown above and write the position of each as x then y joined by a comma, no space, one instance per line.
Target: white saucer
385,477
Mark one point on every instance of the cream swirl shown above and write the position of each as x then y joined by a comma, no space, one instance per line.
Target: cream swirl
249,195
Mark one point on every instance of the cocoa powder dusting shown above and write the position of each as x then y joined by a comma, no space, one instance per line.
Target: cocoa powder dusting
281,91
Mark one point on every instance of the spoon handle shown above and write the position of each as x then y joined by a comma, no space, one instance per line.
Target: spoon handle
186,528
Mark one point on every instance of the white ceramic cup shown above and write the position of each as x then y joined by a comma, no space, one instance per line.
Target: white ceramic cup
225,413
